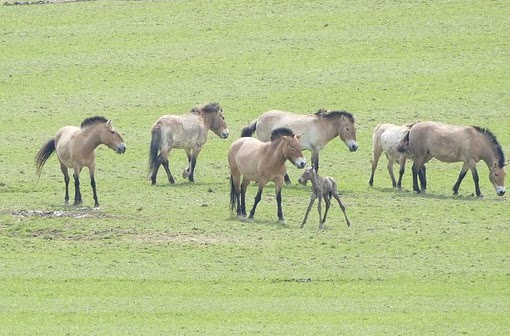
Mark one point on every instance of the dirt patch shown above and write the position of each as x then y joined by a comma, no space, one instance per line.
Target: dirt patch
48,2
58,214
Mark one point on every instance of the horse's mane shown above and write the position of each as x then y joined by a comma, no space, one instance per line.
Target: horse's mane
93,120
495,143
277,133
208,108
334,114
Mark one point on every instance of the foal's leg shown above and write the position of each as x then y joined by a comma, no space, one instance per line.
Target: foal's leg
312,200
327,200
462,174
65,171
337,197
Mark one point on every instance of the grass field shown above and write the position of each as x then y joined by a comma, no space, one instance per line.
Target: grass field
172,259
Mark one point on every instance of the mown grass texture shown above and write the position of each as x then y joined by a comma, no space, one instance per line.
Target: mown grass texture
171,259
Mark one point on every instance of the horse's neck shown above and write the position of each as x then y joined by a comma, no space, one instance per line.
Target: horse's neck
275,148
316,181
488,154
89,139
207,119
331,127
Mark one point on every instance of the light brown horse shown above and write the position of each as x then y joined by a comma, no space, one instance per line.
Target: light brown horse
75,149
322,187
317,129
261,162
453,143
386,139
188,132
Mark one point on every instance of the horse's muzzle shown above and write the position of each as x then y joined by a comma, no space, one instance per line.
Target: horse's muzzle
224,134
300,162
500,191
121,148
353,147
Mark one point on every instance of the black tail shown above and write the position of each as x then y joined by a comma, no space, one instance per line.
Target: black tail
154,148
403,146
248,130
44,154
233,198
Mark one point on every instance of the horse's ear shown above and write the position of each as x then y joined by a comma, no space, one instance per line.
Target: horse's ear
109,123
299,136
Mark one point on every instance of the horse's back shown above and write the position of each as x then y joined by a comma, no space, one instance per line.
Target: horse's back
273,119
65,139
181,131
391,136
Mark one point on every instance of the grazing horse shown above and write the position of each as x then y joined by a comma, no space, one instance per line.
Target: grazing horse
322,187
386,139
188,132
453,143
261,162
75,149
317,129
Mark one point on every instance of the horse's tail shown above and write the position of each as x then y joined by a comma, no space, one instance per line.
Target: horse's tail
248,130
154,148
233,198
44,154
403,146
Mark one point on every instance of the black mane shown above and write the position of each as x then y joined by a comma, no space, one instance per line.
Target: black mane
334,114
277,133
209,108
495,143
93,120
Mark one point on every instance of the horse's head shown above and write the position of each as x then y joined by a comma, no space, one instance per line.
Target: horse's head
306,176
218,124
293,150
347,131
111,138
497,177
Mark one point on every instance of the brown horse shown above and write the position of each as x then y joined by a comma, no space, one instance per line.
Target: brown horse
453,143
75,149
188,132
261,162
317,129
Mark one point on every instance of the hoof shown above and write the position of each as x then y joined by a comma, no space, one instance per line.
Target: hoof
185,173
281,220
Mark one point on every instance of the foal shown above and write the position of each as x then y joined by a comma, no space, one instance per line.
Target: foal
322,187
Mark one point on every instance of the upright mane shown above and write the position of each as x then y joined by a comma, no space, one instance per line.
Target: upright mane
93,120
209,108
334,114
495,144
277,133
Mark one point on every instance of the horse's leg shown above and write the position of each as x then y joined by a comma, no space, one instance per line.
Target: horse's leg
416,168
474,172
462,174
315,160
77,193
65,171
312,200
258,197
402,163
327,200
93,185
185,173
422,174
376,154
287,179
278,189
193,163
244,187
337,197
390,171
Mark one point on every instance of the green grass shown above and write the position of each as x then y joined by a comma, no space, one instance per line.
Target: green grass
171,259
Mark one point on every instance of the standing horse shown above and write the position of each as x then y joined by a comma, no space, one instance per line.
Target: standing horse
386,139
75,149
261,162
453,143
188,132
317,129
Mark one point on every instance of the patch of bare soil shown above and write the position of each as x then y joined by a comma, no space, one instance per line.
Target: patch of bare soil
58,214
47,2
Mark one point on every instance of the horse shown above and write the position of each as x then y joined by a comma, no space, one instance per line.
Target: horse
455,143
261,162
75,148
188,132
386,139
322,187
317,129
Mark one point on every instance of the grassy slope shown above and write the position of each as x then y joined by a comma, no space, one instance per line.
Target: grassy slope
171,259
